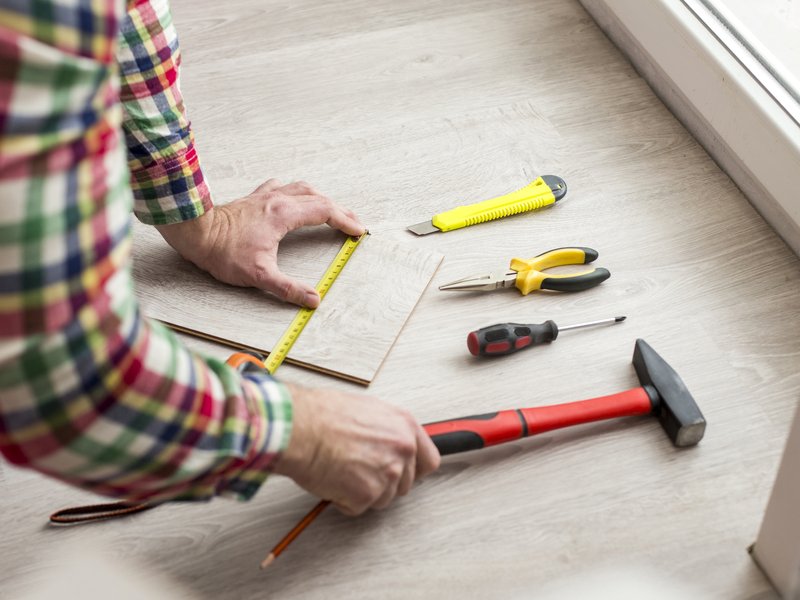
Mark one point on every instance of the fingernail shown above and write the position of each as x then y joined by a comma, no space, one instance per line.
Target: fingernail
312,299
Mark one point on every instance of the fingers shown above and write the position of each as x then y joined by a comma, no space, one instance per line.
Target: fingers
397,484
347,510
407,480
361,453
347,222
273,280
312,208
425,460
268,186
394,479
299,188
316,210
428,457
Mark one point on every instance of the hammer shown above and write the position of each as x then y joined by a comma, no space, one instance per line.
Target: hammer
662,394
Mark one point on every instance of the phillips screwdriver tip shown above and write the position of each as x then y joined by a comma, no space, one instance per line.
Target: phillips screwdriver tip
619,319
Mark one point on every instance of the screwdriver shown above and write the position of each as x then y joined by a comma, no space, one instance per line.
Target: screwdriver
507,338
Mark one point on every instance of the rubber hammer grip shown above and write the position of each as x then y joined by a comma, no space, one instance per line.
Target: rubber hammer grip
480,431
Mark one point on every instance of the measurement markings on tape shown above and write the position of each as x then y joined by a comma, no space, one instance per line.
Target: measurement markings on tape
287,340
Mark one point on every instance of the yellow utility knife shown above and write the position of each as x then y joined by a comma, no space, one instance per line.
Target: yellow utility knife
542,191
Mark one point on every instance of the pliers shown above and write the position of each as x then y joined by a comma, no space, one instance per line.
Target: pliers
528,274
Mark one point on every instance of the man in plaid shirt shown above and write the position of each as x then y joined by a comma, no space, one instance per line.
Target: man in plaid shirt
92,124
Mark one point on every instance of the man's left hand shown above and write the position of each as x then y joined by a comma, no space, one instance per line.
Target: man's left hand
237,243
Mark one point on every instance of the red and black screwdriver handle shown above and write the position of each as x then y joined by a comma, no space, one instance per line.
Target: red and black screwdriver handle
490,429
507,338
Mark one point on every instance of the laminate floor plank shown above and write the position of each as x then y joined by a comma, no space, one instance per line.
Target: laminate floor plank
399,110
348,336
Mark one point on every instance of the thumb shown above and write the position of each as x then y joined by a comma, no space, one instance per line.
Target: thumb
288,289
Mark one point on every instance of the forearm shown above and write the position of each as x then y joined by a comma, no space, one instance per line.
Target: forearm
167,181
90,392
117,405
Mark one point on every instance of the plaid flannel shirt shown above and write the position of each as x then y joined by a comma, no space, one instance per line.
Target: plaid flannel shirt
90,391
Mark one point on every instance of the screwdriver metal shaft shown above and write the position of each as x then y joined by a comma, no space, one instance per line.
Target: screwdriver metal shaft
610,321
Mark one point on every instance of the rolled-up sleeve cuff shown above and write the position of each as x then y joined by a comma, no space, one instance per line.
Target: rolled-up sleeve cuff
272,406
170,190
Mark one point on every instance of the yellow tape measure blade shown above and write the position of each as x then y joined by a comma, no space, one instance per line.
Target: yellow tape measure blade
289,337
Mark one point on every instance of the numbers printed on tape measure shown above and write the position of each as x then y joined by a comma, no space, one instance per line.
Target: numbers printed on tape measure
300,320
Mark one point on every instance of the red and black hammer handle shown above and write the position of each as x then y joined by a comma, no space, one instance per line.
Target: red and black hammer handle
480,431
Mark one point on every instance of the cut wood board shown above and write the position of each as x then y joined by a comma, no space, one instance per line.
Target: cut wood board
348,336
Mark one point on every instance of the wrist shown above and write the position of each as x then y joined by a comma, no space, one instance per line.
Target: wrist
302,445
193,238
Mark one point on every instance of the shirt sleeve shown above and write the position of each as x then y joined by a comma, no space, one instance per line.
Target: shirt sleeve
167,182
90,391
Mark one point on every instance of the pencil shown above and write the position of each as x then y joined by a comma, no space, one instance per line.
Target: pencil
296,530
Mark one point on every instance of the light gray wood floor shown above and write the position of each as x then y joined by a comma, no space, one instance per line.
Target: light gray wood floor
402,109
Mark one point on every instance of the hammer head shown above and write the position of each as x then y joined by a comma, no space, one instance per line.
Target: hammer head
672,403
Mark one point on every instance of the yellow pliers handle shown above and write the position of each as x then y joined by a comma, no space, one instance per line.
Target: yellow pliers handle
531,272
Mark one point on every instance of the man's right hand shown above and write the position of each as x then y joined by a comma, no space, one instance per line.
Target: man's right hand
356,451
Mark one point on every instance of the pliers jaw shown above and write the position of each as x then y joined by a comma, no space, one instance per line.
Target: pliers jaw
481,283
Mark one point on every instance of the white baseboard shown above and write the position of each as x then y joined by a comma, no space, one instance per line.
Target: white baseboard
738,123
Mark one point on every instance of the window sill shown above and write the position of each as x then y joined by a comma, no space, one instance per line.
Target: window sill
741,125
